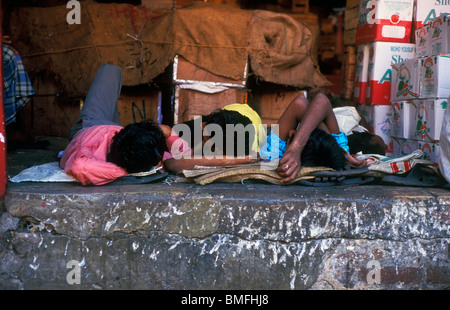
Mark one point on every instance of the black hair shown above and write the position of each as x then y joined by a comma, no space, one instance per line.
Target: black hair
137,147
323,150
222,118
362,142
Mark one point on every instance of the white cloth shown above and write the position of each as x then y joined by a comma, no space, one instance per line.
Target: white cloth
50,172
348,120
444,143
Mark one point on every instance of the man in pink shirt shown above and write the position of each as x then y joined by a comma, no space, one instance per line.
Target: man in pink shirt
85,158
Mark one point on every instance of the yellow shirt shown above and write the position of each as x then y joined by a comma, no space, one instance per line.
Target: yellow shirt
246,110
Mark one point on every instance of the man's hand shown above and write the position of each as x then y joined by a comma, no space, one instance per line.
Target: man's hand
356,163
289,165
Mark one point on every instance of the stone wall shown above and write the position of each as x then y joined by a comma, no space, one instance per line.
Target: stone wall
224,236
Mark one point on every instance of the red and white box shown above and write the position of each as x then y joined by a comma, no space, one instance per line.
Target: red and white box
427,10
434,81
361,73
426,119
381,56
423,41
385,20
440,35
379,118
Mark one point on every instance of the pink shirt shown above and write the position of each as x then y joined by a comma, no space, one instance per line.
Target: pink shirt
85,156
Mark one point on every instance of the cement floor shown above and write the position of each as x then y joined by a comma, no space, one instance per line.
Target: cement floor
187,236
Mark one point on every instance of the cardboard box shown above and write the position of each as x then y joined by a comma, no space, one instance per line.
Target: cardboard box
381,56
427,10
271,101
434,81
440,32
401,116
190,102
426,119
405,82
139,103
379,118
361,73
403,146
423,41
384,20
430,150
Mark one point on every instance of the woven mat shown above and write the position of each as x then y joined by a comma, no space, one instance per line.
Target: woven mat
236,174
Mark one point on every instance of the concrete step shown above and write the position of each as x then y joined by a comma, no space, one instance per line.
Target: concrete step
224,236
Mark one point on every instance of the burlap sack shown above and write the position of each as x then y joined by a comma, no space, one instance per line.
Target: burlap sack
143,42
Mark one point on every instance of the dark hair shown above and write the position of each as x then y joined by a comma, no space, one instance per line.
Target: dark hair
323,150
137,147
222,118
363,142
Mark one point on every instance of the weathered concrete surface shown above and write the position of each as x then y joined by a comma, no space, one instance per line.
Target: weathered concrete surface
224,236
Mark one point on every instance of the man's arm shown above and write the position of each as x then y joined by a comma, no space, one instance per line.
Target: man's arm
178,165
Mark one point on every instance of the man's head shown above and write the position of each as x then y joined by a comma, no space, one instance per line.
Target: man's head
137,147
222,118
367,143
323,150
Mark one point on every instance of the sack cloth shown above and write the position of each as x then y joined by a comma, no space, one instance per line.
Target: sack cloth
240,173
144,42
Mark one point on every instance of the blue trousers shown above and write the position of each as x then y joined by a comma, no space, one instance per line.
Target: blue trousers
100,105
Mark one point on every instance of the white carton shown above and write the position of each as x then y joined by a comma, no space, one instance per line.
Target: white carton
405,82
440,32
430,150
361,73
401,116
404,147
426,119
423,41
434,81
384,20
427,10
379,118
381,56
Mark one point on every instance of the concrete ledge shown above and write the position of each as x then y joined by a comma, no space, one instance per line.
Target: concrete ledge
225,236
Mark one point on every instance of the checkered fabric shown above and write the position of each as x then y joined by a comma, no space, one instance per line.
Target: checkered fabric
17,84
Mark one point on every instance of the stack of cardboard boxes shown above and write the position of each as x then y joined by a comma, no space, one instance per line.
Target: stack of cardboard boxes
398,83
383,38
420,89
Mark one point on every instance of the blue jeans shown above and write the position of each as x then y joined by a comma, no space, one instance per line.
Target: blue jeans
100,106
